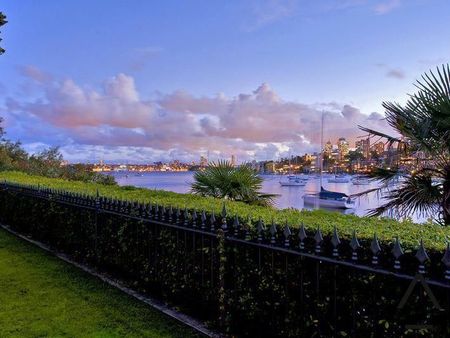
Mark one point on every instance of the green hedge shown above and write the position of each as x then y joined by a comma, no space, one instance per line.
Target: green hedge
434,236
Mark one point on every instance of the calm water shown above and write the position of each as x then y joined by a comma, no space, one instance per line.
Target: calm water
289,197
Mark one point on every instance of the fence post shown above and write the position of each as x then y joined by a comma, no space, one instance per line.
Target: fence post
221,276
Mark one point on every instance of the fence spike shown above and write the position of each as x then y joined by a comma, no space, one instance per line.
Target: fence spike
397,252
170,213
178,214
422,257
354,244
287,233
260,228
335,241
302,236
318,238
446,261
157,211
375,248
212,220
273,232
247,228
224,225
186,216
203,218
236,225
194,218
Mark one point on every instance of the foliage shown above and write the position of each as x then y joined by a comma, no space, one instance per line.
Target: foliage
2,22
223,180
243,289
434,236
46,163
423,124
43,296
354,155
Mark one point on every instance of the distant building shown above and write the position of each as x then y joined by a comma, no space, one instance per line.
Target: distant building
328,149
269,167
342,148
233,160
203,161
363,146
379,148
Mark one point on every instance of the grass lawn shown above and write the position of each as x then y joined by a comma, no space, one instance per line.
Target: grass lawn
42,296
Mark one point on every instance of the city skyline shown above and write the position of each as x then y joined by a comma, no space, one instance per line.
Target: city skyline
135,90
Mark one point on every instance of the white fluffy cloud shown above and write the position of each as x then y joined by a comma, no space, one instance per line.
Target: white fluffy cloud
258,125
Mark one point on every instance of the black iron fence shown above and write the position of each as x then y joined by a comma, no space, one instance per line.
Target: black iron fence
243,276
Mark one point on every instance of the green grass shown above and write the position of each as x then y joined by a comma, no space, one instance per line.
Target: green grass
42,296
433,235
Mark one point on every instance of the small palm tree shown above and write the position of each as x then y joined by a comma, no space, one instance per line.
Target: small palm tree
423,125
223,180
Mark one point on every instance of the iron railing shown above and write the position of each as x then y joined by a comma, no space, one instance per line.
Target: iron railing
311,268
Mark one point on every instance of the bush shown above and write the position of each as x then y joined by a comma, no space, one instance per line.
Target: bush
242,288
434,236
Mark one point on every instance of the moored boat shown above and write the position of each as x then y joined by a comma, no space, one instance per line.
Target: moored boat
293,181
359,180
339,179
329,199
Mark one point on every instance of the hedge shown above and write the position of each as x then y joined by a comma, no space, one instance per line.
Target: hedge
435,237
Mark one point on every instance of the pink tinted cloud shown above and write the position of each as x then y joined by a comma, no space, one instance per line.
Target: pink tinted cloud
248,124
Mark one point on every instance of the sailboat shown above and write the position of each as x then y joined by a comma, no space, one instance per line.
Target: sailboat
338,178
329,199
360,180
326,198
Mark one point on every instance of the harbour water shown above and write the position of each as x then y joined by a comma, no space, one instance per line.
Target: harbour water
288,196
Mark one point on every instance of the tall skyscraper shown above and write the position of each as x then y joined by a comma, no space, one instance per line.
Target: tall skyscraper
342,148
233,160
363,146
328,149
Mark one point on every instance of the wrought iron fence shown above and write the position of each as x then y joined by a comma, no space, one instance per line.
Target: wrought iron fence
241,275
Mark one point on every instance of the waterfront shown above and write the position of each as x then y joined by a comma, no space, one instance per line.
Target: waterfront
289,197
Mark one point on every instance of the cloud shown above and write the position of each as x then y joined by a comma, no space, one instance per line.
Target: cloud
387,6
267,12
142,56
259,124
395,73
34,73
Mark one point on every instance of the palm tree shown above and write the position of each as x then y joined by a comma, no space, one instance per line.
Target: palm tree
223,180
423,125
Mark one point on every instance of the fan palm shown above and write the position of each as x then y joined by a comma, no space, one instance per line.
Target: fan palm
423,124
223,180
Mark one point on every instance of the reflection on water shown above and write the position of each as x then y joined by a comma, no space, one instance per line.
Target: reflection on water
288,196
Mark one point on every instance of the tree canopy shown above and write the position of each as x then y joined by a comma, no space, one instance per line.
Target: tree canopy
2,22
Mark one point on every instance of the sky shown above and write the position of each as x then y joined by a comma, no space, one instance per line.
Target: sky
143,81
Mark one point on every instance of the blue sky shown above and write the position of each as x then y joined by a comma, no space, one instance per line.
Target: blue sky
143,80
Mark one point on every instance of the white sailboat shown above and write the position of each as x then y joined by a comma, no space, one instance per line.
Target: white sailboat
292,181
325,198
339,179
360,180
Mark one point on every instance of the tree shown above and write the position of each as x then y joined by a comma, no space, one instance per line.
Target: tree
222,180
423,124
2,22
354,155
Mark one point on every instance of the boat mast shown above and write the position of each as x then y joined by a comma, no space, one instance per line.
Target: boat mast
321,151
